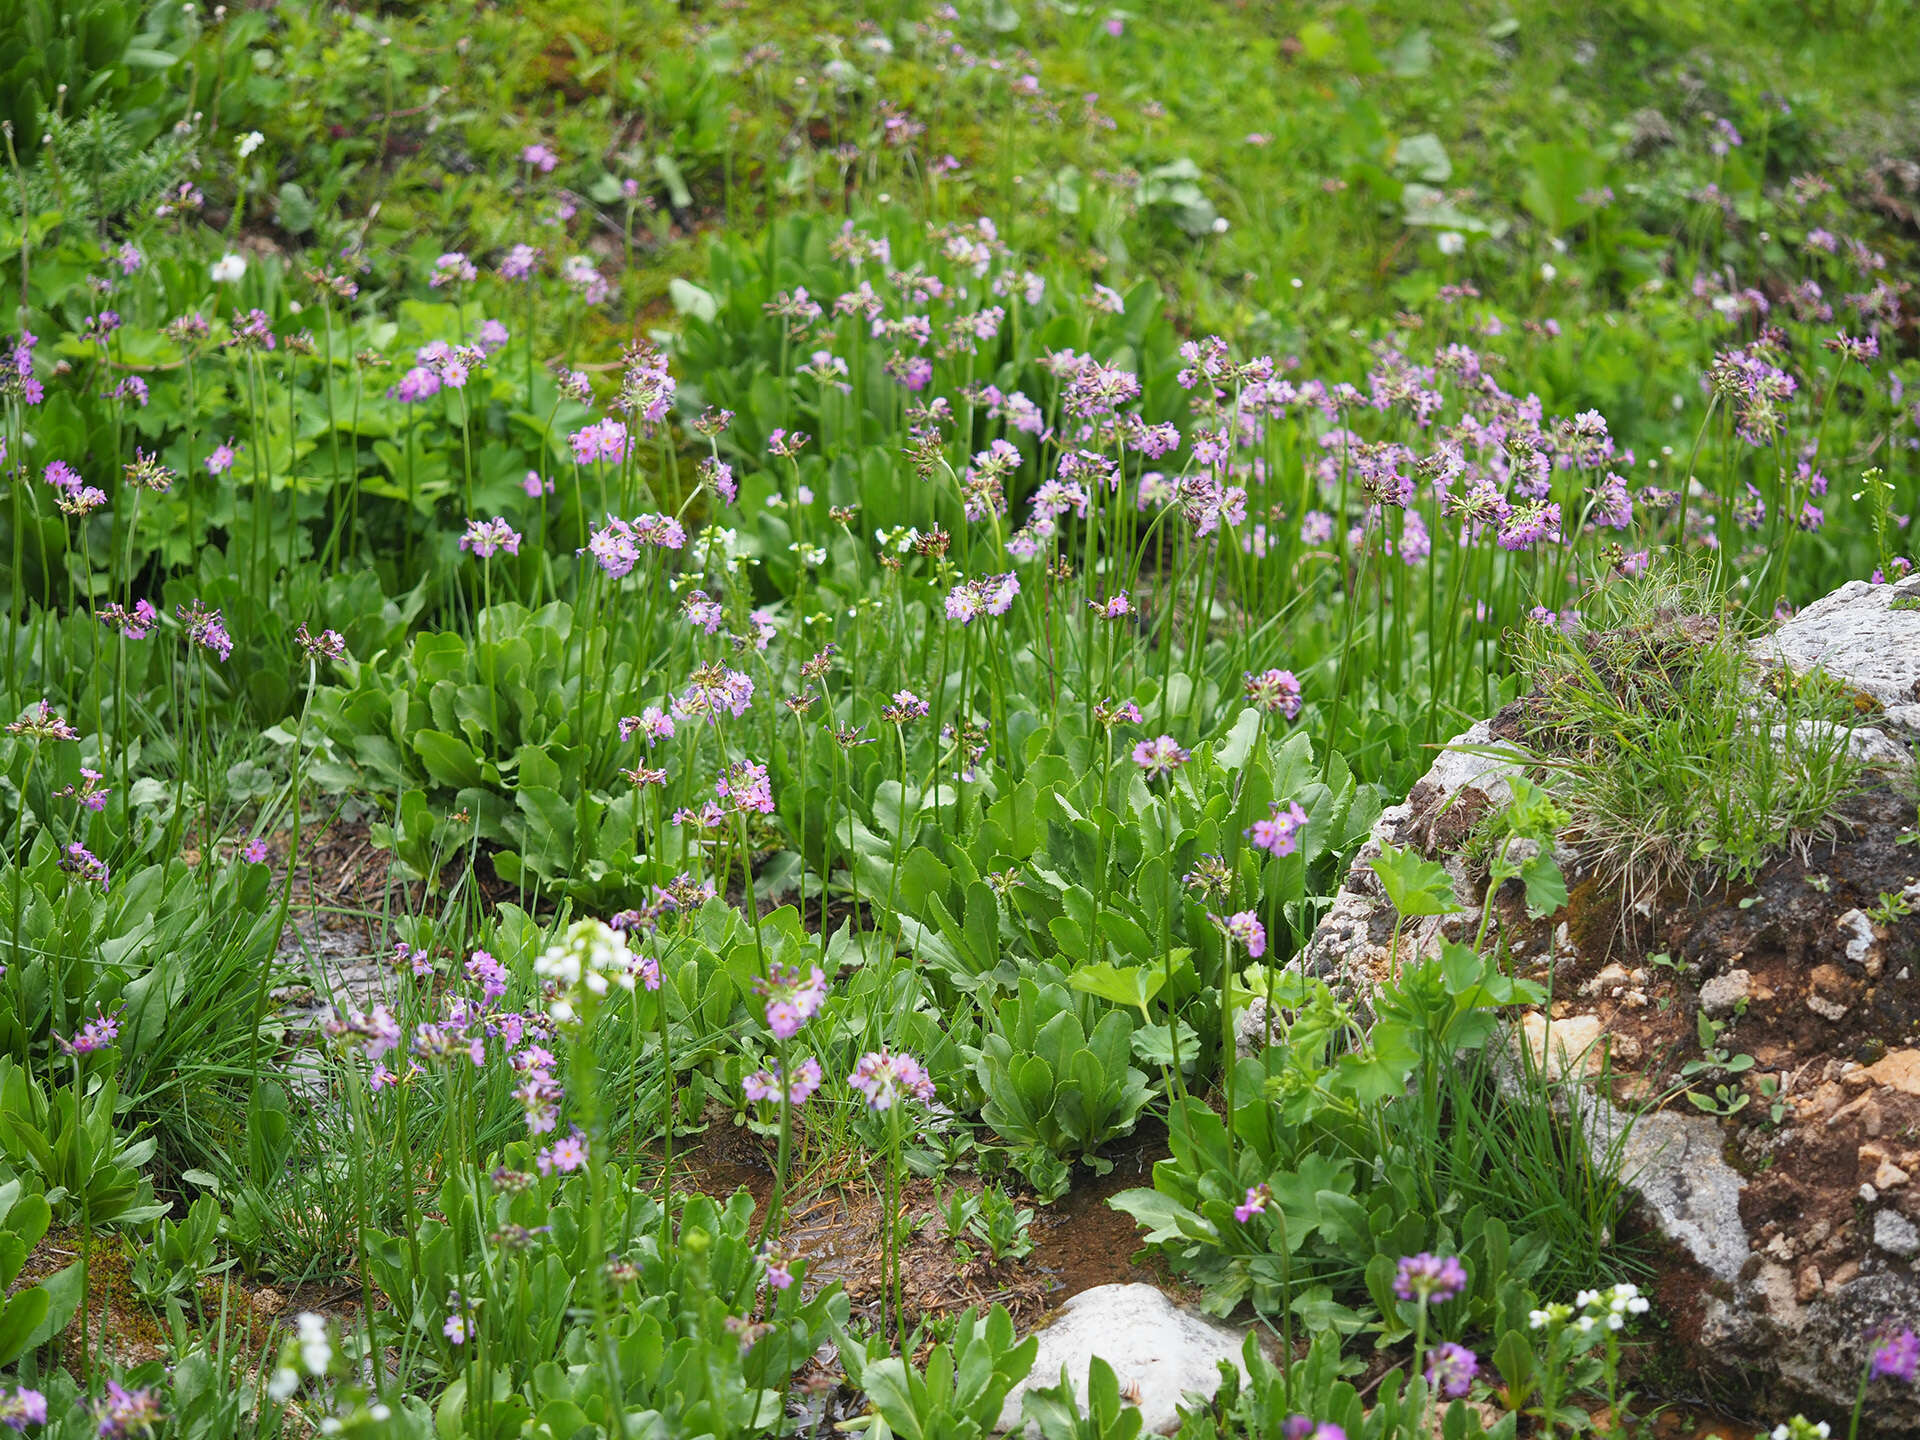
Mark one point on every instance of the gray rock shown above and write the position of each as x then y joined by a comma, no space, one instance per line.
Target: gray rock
1894,1233
1722,995
1157,1350
1857,636
1354,938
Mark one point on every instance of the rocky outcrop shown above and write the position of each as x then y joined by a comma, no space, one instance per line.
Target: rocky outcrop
1793,1222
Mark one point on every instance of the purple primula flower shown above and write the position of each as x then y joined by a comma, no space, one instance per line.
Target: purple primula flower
886,1079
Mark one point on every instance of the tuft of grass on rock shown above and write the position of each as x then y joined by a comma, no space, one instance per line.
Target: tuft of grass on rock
1683,757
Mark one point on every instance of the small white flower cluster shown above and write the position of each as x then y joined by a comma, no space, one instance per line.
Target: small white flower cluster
582,963
316,1357
1597,1307
1801,1428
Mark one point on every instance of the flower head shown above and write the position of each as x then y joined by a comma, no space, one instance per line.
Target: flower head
1429,1278
792,998
1244,926
1273,690
906,706
22,1408
1259,1197
82,863
588,957
452,268
1280,833
1160,756
205,628
747,786
765,1083
1451,1368
124,1412
97,1034
487,537
886,1079
327,645
1896,1358
40,723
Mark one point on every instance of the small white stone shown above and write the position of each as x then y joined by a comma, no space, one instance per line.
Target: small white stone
1157,1350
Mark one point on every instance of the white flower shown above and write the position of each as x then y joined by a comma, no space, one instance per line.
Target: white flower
316,1350
1219,224
585,955
1547,272
228,269
1450,242
1538,1319
248,143
285,1381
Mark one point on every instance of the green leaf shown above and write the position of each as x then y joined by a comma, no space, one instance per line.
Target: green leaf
690,299
449,759
1415,886
20,1318
62,1289
1131,985
1546,886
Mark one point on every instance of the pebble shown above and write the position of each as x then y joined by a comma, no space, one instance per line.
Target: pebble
1894,1233
1723,994
1806,1284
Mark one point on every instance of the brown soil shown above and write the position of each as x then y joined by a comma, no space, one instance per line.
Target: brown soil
1078,1242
